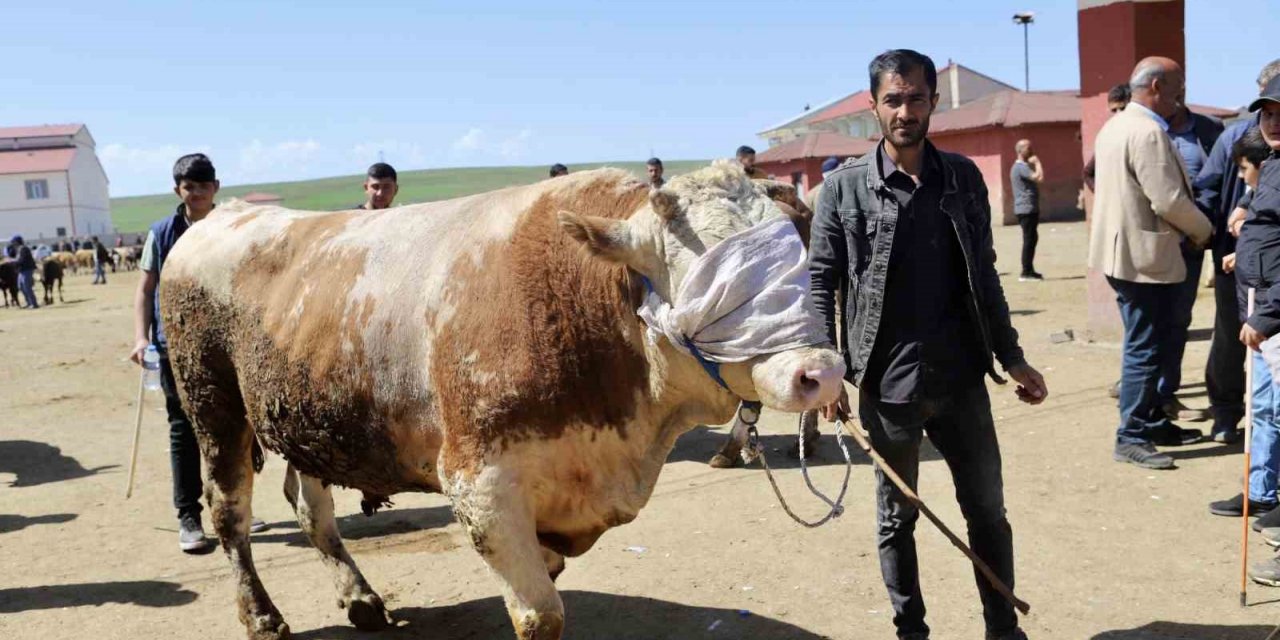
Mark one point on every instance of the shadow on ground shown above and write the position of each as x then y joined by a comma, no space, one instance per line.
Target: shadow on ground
358,526
589,616
703,442
1182,631
36,463
11,523
146,593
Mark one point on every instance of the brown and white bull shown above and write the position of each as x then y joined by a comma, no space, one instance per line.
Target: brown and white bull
487,348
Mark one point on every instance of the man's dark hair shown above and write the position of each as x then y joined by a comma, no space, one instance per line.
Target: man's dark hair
654,162
381,171
1120,93
744,150
196,167
1252,147
902,62
558,169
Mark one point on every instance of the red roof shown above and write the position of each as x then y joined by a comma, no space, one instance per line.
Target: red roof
822,144
41,131
855,103
261,197
1010,108
36,161
1217,112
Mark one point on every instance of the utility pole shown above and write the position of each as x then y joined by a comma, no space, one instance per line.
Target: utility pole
1025,19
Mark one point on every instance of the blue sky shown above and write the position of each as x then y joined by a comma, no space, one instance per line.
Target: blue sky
273,91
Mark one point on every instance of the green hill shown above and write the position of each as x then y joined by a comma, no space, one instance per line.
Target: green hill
136,213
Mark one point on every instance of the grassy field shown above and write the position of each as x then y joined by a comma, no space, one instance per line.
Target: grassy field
136,213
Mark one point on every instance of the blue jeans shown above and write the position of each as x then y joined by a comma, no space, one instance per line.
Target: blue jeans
99,273
1171,371
1149,315
26,283
1265,454
961,429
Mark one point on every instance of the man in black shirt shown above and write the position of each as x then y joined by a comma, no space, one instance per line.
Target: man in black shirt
904,234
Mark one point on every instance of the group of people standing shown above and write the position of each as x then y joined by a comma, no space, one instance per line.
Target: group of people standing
1170,184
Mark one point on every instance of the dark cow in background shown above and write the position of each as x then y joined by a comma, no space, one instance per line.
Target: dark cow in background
9,282
487,348
51,273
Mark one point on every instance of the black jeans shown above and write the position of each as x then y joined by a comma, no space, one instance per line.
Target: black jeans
184,452
1224,373
1030,224
962,430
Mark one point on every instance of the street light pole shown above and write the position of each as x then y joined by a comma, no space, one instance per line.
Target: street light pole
1025,19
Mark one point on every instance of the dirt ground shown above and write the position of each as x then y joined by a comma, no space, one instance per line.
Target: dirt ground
1105,550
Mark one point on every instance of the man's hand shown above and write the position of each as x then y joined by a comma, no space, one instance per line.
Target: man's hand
1033,160
1251,337
1229,263
837,408
1031,387
139,349
1236,220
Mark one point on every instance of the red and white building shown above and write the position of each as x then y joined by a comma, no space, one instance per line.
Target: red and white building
51,183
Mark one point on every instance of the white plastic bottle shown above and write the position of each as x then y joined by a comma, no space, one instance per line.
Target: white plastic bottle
151,368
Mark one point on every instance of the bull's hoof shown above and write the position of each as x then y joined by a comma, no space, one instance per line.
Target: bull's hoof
368,614
271,631
721,461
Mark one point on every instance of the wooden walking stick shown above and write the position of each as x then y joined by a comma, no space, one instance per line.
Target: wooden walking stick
985,570
137,430
1248,446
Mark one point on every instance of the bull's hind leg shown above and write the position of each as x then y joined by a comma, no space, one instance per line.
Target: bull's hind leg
502,530
315,515
229,453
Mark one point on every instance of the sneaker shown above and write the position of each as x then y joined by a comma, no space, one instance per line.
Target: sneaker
1226,435
191,537
1175,410
1030,277
1175,436
1114,391
1266,572
1234,507
1144,455
1272,536
258,526
1268,520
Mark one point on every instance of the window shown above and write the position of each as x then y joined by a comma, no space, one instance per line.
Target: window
62,232
37,189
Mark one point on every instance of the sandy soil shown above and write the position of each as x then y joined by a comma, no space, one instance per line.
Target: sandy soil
1105,551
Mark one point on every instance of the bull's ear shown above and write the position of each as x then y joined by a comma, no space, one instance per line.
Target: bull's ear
665,204
608,239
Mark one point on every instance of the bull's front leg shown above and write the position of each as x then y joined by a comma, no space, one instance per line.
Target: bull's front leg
502,530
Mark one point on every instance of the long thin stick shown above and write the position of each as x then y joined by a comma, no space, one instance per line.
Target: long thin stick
1248,440
955,540
137,431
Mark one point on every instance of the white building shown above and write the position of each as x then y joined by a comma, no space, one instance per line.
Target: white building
51,183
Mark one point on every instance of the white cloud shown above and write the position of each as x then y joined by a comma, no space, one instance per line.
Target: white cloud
279,158
515,146
134,170
472,140
397,153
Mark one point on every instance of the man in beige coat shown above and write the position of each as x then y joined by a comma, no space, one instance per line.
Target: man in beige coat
1143,211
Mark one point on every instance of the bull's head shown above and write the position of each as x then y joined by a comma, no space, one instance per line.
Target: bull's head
668,238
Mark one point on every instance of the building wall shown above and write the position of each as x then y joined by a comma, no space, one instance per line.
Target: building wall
89,195
1058,146
810,168
33,218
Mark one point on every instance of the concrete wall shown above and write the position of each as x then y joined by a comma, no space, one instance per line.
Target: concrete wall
33,217
1058,146
91,201
810,168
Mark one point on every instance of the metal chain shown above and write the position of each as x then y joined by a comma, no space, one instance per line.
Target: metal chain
837,505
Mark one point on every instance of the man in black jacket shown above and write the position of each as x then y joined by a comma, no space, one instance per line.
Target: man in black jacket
904,234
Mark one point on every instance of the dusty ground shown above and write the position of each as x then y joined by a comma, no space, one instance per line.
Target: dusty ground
1105,551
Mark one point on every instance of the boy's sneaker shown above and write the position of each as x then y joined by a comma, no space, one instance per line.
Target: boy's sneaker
1266,572
1226,435
1271,536
1269,520
1030,277
191,537
1234,507
1144,455
1175,436
1175,410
